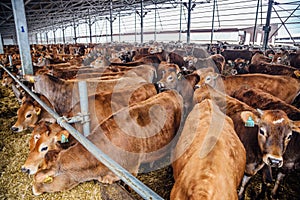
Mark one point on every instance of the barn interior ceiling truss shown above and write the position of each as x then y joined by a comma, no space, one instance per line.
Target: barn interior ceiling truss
52,14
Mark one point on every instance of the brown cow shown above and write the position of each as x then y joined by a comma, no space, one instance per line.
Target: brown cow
211,159
257,98
141,133
289,87
44,138
172,78
265,134
30,113
101,106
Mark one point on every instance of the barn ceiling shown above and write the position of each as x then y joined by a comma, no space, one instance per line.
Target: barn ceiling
51,14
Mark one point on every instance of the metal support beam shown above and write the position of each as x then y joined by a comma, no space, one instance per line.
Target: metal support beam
1,45
155,22
111,21
36,38
90,26
135,23
84,106
267,27
180,21
22,36
47,38
212,24
188,36
63,35
255,24
142,22
119,26
54,36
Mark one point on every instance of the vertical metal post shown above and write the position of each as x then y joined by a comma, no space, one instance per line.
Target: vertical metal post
47,38
63,34
135,24
10,60
212,24
106,31
142,23
41,38
267,27
111,21
54,36
74,29
255,25
22,36
180,21
155,23
90,26
84,106
1,45
119,26
36,38
189,22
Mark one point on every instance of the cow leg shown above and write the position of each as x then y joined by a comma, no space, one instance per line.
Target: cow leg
279,178
109,178
244,183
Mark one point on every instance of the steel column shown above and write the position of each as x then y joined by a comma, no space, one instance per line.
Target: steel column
84,106
119,26
111,21
54,36
155,23
188,37
212,24
267,27
180,21
22,36
90,26
255,24
1,45
142,22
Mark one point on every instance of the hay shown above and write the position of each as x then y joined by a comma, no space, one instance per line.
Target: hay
16,185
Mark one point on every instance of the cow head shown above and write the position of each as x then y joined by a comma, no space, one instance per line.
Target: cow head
209,77
275,131
169,74
44,138
28,115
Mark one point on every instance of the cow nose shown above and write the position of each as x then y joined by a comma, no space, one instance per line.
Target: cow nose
196,87
160,85
25,170
275,162
15,129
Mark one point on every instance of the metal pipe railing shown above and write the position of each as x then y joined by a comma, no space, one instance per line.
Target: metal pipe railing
124,175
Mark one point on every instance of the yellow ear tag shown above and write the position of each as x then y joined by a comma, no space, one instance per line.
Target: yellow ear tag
48,179
38,112
297,73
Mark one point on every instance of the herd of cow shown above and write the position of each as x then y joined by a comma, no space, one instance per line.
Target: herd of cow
219,119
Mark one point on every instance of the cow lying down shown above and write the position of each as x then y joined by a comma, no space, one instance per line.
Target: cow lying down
140,133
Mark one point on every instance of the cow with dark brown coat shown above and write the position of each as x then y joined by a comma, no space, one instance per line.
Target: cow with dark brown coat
211,158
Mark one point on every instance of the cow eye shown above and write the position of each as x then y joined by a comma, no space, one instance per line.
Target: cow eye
289,136
28,115
207,79
170,78
262,131
44,149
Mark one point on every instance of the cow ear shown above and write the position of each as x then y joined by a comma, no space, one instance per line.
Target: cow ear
62,136
249,118
296,126
38,110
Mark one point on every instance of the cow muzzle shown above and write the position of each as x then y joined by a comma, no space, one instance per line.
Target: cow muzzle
16,129
25,170
273,161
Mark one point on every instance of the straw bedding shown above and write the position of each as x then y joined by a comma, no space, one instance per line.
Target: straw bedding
16,185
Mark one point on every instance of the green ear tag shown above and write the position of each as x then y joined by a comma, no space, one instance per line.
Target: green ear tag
64,139
249,122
